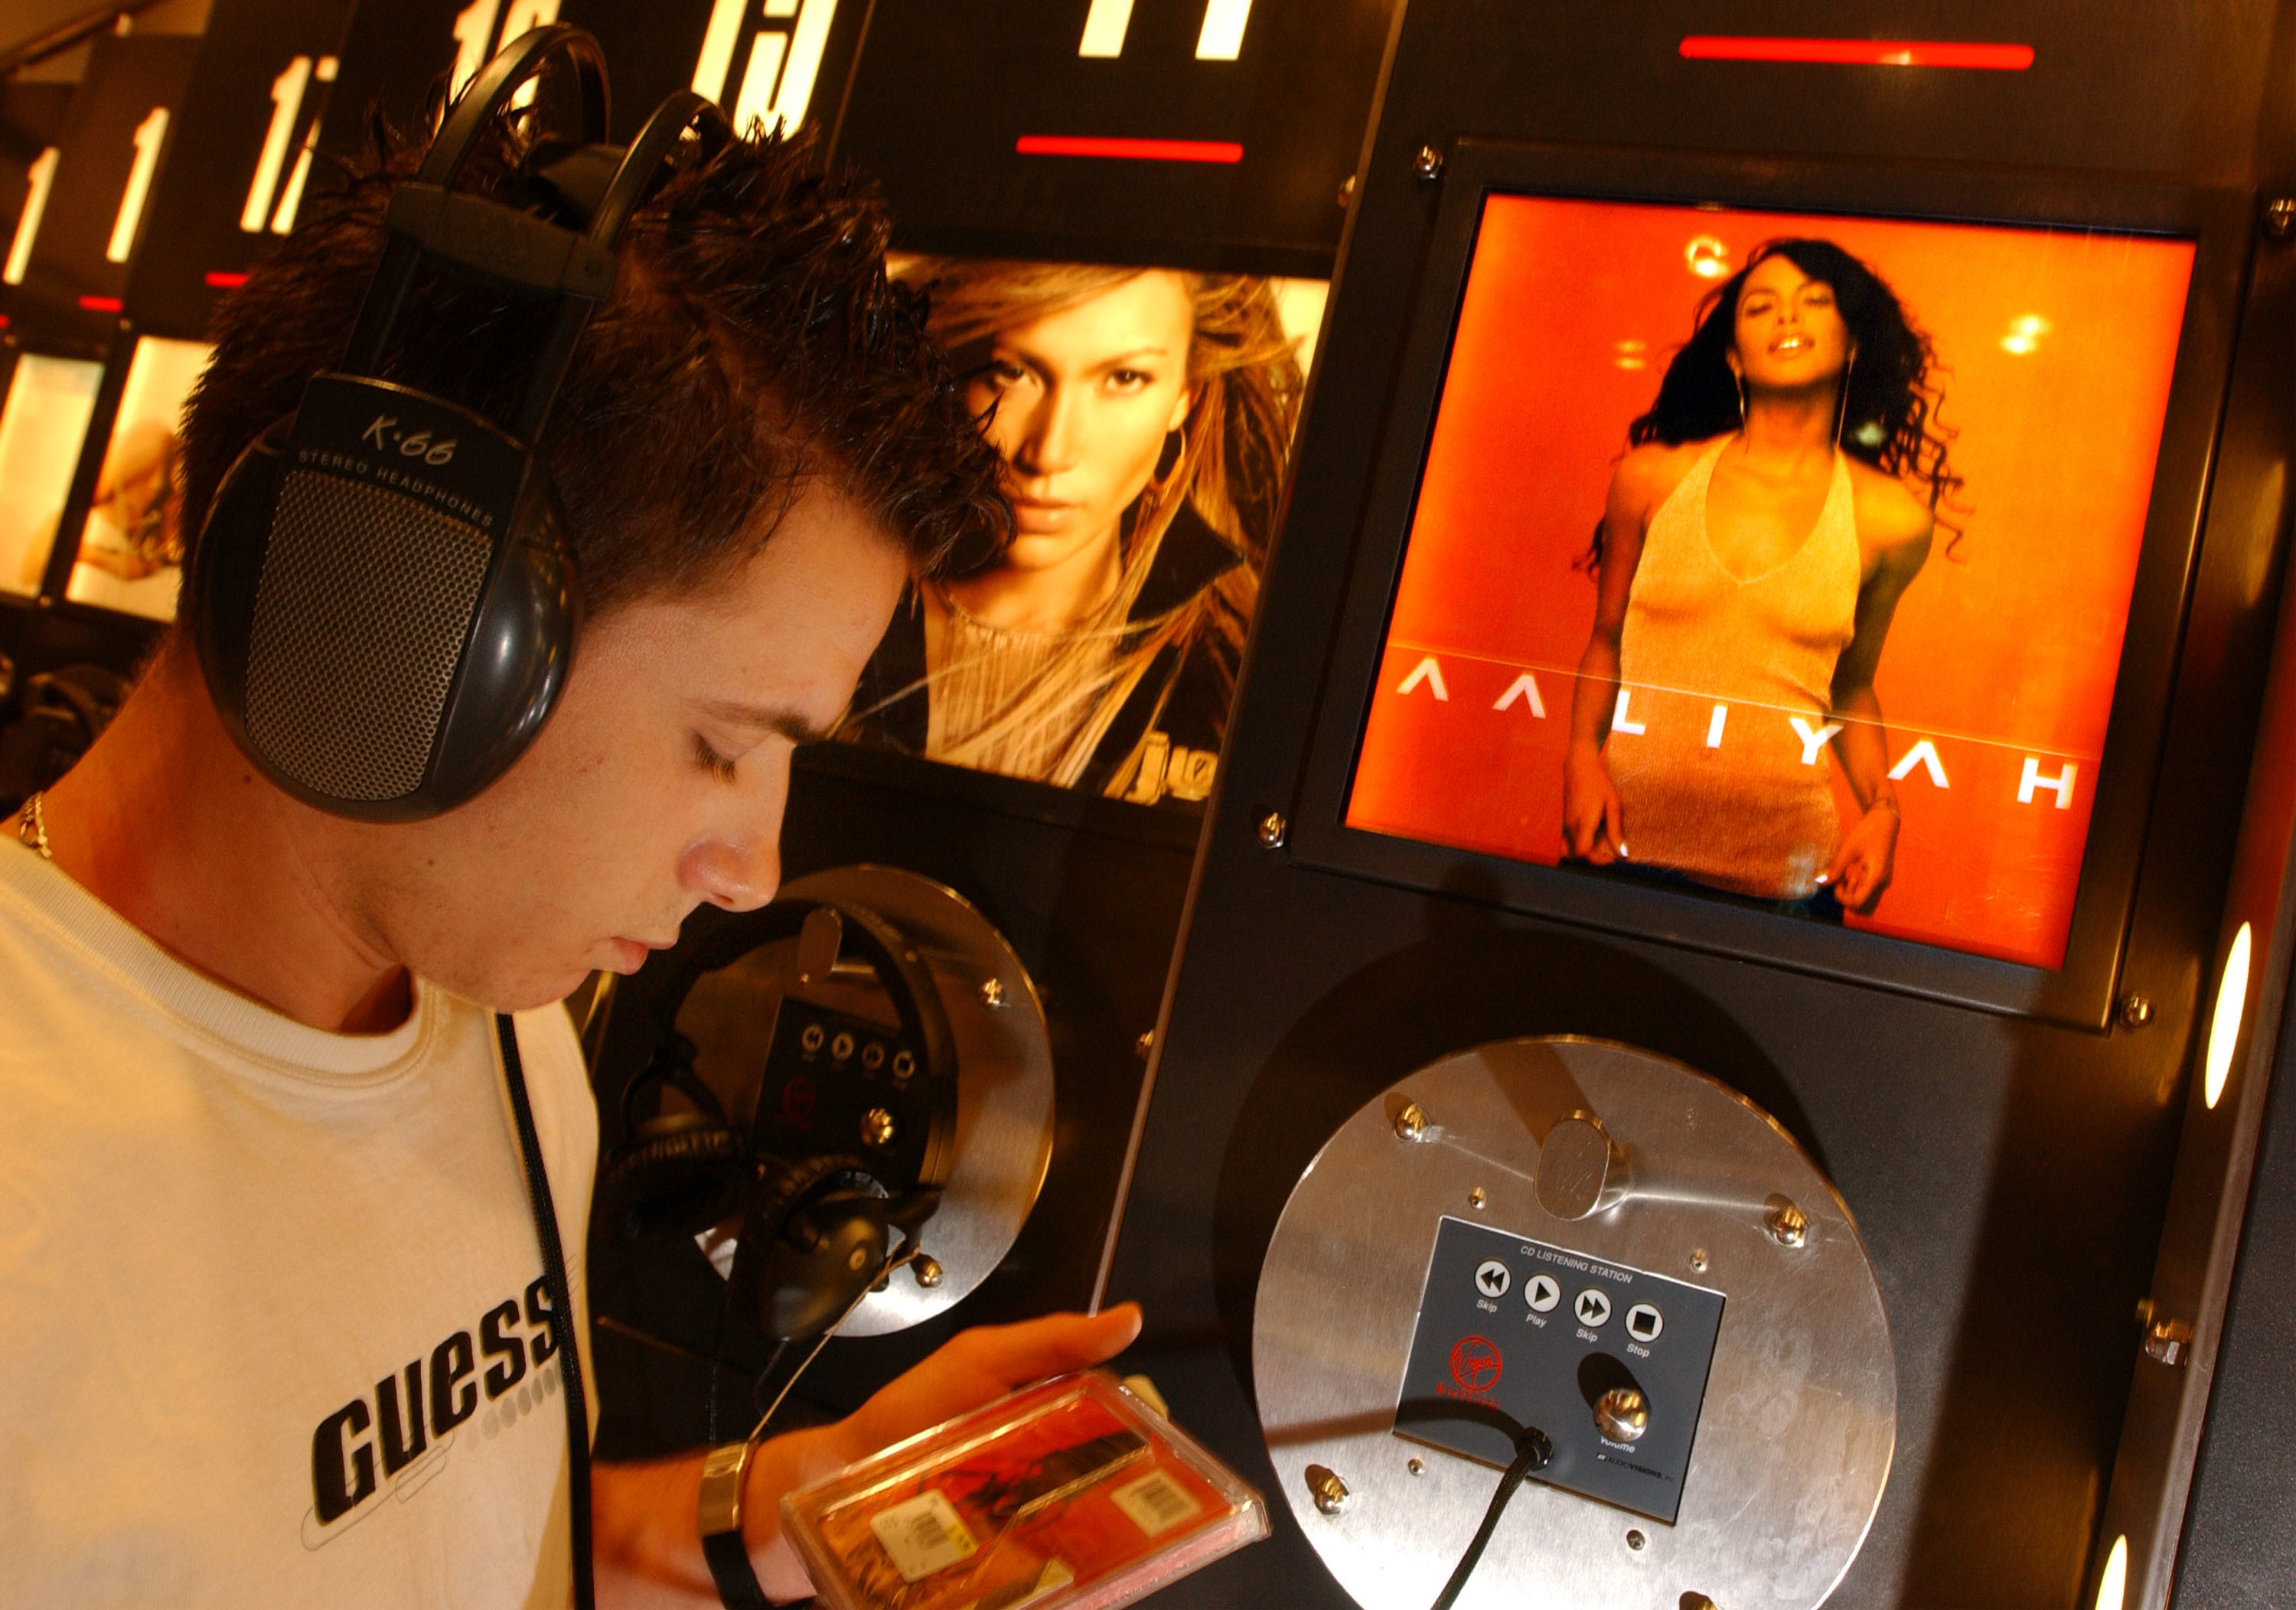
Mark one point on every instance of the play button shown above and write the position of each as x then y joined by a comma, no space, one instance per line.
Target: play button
1493,1277
1594,1308
1544,1292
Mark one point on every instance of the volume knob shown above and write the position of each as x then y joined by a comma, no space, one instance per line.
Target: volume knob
1622,1414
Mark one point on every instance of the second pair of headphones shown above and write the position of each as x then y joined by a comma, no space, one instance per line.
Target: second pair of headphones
383,596
851,1133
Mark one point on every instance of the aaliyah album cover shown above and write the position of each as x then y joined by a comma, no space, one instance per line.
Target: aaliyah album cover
1781,558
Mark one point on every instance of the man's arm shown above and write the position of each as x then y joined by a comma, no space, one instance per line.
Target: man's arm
648,1547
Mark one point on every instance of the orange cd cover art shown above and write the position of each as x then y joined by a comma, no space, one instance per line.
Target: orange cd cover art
1781,558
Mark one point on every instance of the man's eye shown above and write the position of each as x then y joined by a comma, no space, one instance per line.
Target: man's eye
717,766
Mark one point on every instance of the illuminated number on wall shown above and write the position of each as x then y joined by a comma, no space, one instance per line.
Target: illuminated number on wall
286,106
1220,39
42,176
474,31
475,38
150,135
777,77
283,218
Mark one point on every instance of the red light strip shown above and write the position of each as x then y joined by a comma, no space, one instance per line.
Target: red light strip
225,282
102,304
1137,150
1860,52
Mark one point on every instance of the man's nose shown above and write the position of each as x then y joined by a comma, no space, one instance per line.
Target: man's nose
740,874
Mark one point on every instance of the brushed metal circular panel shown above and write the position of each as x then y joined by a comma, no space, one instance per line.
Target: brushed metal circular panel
1800,1419
1005,1070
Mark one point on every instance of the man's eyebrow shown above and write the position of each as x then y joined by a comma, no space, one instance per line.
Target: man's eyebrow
796,727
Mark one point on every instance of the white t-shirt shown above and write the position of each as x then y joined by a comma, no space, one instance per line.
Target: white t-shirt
273,1329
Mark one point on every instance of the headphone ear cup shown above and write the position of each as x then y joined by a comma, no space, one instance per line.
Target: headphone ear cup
522,649
813,1245
225,565
685,1173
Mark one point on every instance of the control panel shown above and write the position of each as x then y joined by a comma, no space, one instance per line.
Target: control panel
1609,1361
835,1082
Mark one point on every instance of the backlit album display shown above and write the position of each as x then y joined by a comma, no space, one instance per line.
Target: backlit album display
44,421
131,552
1682,607
1144,417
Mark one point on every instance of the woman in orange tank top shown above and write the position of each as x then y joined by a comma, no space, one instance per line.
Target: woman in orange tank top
1772,508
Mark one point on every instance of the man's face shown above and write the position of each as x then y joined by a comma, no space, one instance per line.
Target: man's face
659,782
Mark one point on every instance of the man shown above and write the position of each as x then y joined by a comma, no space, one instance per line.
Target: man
272,1328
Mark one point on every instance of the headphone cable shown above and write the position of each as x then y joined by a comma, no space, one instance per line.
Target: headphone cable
1532,1451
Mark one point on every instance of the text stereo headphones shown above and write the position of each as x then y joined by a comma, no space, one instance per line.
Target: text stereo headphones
383,596
847,1135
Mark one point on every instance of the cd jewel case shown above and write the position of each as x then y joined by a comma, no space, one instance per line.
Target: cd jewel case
1069,1495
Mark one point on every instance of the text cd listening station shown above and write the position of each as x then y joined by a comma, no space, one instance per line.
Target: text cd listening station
1731,985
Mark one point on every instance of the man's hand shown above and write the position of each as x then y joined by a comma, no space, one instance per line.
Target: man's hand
649,1546
979,1366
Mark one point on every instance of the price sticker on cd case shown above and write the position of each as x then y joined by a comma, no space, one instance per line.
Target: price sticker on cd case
923,1535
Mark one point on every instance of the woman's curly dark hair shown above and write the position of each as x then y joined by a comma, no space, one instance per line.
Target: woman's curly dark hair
753,346
1889,419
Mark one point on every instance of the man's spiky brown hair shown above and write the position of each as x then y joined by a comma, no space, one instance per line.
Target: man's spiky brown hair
752,347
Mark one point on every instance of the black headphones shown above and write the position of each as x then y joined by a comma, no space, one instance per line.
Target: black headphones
852,1135
383,596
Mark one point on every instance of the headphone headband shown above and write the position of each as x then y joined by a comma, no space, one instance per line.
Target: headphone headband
383,593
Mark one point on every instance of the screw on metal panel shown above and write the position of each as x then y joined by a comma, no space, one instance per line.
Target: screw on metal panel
1324,1486
1415,1465
1475,1198
876,1127
857,1259
1788,1225
2280,217
992,991
2167,1341
1144,1044
2136,1011
1411,1122
1694,1601
1273,828
1698,1259
1635,1539
927,1269
1428,164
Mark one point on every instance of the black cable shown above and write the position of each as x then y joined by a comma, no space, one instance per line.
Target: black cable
562,1310
1532,1451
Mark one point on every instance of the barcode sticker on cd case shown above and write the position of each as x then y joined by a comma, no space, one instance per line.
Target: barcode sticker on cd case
923,1535
1156,1503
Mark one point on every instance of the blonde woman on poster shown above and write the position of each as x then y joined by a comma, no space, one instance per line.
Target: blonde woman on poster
1143,418
1775,503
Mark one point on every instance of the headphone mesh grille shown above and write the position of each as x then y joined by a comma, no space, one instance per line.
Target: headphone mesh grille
360,614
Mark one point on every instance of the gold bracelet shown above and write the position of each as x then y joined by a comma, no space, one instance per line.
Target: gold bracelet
32,827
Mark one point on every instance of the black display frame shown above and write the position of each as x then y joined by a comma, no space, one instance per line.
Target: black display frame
2080,994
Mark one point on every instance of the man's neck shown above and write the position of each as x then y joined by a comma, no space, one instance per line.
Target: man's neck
166,823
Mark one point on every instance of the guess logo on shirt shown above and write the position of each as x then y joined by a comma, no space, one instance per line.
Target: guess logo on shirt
418,1410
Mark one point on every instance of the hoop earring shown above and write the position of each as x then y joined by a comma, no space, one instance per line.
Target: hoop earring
1161,488
1842,405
